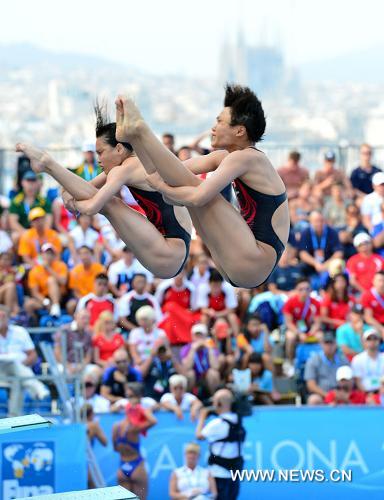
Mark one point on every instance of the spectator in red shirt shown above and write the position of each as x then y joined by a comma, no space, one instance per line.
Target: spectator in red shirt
177,298
98,301
378,398
217,300
106,339
373,302
345,393
365,264
302,317
337,302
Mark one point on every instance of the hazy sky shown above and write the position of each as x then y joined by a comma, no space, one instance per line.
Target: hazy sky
185,36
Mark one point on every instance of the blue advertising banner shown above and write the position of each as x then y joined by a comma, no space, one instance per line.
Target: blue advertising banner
43,461
331,453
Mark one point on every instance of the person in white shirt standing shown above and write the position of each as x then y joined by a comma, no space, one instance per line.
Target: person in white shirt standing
368,366
225,435
17,355
191,480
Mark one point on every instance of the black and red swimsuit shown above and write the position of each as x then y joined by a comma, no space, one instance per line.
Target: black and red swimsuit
162,215
257,210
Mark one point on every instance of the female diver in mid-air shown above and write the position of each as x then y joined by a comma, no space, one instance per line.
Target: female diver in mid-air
161,240
245,246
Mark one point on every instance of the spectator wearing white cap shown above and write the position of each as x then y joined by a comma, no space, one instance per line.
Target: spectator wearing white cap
201,359
344,392
179,400
373,303
368,366
371,205
363,266
48,281
89,168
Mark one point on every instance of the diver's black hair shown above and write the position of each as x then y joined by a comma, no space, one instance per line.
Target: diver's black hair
107,129
246,110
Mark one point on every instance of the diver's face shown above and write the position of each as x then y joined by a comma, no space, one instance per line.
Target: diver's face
223,134
107,156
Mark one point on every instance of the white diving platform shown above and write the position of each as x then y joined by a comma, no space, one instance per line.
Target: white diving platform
112,493
23,423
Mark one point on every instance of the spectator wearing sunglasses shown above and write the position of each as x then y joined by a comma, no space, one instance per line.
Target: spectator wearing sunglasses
116,377
99,403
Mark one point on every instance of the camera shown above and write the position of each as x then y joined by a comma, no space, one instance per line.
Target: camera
242,406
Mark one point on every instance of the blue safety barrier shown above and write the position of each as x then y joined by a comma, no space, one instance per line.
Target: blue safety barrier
317,441
43,461
307,439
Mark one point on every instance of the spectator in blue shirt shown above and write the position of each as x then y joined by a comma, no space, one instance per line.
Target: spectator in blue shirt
319,244
115,378
261,379
349,336
377,234
354,226
285,276
361,177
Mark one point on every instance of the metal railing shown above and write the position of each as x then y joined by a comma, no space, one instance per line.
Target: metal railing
58,378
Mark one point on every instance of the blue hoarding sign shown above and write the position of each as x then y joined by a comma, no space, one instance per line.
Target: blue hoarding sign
303,440
43,461
28,467
348,441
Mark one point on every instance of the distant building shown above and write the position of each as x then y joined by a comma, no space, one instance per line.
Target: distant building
261,67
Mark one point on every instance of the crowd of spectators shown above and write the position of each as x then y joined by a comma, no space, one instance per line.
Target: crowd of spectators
319,320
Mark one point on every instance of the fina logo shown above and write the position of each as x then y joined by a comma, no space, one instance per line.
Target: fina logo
28,469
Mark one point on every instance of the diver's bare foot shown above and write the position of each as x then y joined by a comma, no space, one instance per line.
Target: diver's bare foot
129,121
40,160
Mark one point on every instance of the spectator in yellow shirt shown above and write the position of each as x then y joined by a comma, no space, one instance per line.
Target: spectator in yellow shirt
33,239
82,276
48,281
